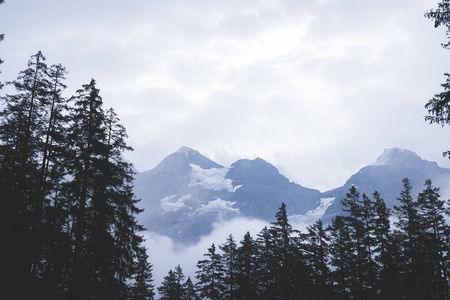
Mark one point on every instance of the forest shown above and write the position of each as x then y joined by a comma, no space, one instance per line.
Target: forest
71,231
359,256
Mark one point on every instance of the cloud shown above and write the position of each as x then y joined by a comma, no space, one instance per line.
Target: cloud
165,255
318,88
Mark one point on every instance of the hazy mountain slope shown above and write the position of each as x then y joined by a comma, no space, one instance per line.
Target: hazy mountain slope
385,176
187,192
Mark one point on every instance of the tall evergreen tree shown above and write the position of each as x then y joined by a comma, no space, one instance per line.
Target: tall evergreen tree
190,292
281,231
354,219
341,258
317,246
22,120
103,209
247,265
439,106
385,252
143,287
2,36
267,264
229,258
210,275
172,288
410,230
432,211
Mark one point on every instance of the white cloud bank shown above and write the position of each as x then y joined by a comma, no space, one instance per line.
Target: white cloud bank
317,88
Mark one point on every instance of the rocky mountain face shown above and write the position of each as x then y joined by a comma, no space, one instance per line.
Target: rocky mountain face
187,192
386,175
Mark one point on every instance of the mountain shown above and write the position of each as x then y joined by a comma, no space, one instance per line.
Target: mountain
385,176
187,193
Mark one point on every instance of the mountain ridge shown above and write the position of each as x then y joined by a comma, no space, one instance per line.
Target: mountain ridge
187,193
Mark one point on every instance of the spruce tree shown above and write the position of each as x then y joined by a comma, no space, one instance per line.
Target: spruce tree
341,258
432,211
410,230
229,258
385,252
103,204
189,288
439,106
267,266
317,247
352,205
172,288
210,275
22,120
247,265
143,287
2,36
281,231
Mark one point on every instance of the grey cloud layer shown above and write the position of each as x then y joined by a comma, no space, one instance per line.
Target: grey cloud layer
318,88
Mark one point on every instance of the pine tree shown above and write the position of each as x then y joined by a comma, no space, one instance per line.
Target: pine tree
385,252
341,258
167,290
247,265
2,36
210,276
22,120
432,212
410,231
439,106
267,266
190,292
172,288
229,258
143,287
354,219
317,247
103,204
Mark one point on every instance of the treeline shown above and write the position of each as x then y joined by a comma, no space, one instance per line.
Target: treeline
68,208
358,256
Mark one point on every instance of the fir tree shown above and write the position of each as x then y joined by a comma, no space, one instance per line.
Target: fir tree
267,266
354,219
189,288
143,287
439,106
341,258
247,264
172,288
229,258
385,252
22,121
317,247
210,275
410,231
432,212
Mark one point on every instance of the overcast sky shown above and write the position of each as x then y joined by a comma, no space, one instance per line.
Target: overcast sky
317,88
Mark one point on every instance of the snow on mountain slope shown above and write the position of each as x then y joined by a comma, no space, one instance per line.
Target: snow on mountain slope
211,179
187,192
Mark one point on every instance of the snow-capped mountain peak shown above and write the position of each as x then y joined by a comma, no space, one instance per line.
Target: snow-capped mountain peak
396,156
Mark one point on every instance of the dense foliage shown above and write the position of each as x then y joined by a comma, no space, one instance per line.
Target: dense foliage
439,106
67,193
358,256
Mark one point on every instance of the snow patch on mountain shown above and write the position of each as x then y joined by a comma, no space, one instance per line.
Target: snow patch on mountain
312,215
386,156
217,205
211,179
170,204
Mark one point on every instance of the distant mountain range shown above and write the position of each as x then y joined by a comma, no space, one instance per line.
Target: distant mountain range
187,192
